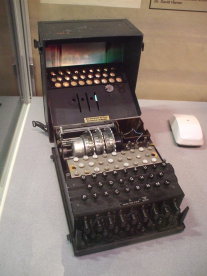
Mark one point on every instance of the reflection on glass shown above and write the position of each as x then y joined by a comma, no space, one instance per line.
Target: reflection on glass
10,104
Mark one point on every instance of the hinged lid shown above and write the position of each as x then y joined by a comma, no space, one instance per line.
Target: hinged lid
89,45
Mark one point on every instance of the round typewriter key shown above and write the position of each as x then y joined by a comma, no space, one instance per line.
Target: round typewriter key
94,175
97,75
145,168
81,82
111,80
86,171
89,82
164,164
82,77
106,168
96,169
68,72
73,83
104,80
89,186
52,73
105,69
100,162
111,183
59,78
167,182
114,153
75,159
147,154
138,156
106,194
110,160
83,71
53,79
141,177
100,184
75,77
85,157
76,72
90,76
104,174
112,74
141,149
105,75
144,161
96,81
76,173
157,184
151,176
132,150
137,188
60,73
120,159
161,174
65,84
123,152
119,79
67,78
58,84
83,177
91,164
126,164
116,167
95,195
84,197
81,165
129,158
95,156
131,179
117,192
98,70
91,70
154,159
104,155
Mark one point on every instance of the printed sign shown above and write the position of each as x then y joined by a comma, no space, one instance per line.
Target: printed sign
181,5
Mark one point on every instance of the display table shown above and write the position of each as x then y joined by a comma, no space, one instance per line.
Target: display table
33,227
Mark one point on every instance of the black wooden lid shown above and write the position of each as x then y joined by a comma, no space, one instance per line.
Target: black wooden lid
79,29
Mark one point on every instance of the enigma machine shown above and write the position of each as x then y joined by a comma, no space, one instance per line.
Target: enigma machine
116,187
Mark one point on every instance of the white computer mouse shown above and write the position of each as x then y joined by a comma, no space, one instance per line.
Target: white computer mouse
186,130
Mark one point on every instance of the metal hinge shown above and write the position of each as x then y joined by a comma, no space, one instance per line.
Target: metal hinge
38,45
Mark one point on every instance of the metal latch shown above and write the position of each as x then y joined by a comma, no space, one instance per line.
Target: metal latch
38,45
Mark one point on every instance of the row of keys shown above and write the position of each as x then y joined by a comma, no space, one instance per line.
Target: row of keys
130,179
135,170
64,77
126,189
159,216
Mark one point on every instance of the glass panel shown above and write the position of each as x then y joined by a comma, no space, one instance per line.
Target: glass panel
10,102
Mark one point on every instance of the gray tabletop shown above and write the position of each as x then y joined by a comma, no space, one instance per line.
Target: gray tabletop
33,227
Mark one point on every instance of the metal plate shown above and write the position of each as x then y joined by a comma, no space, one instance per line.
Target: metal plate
113,161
